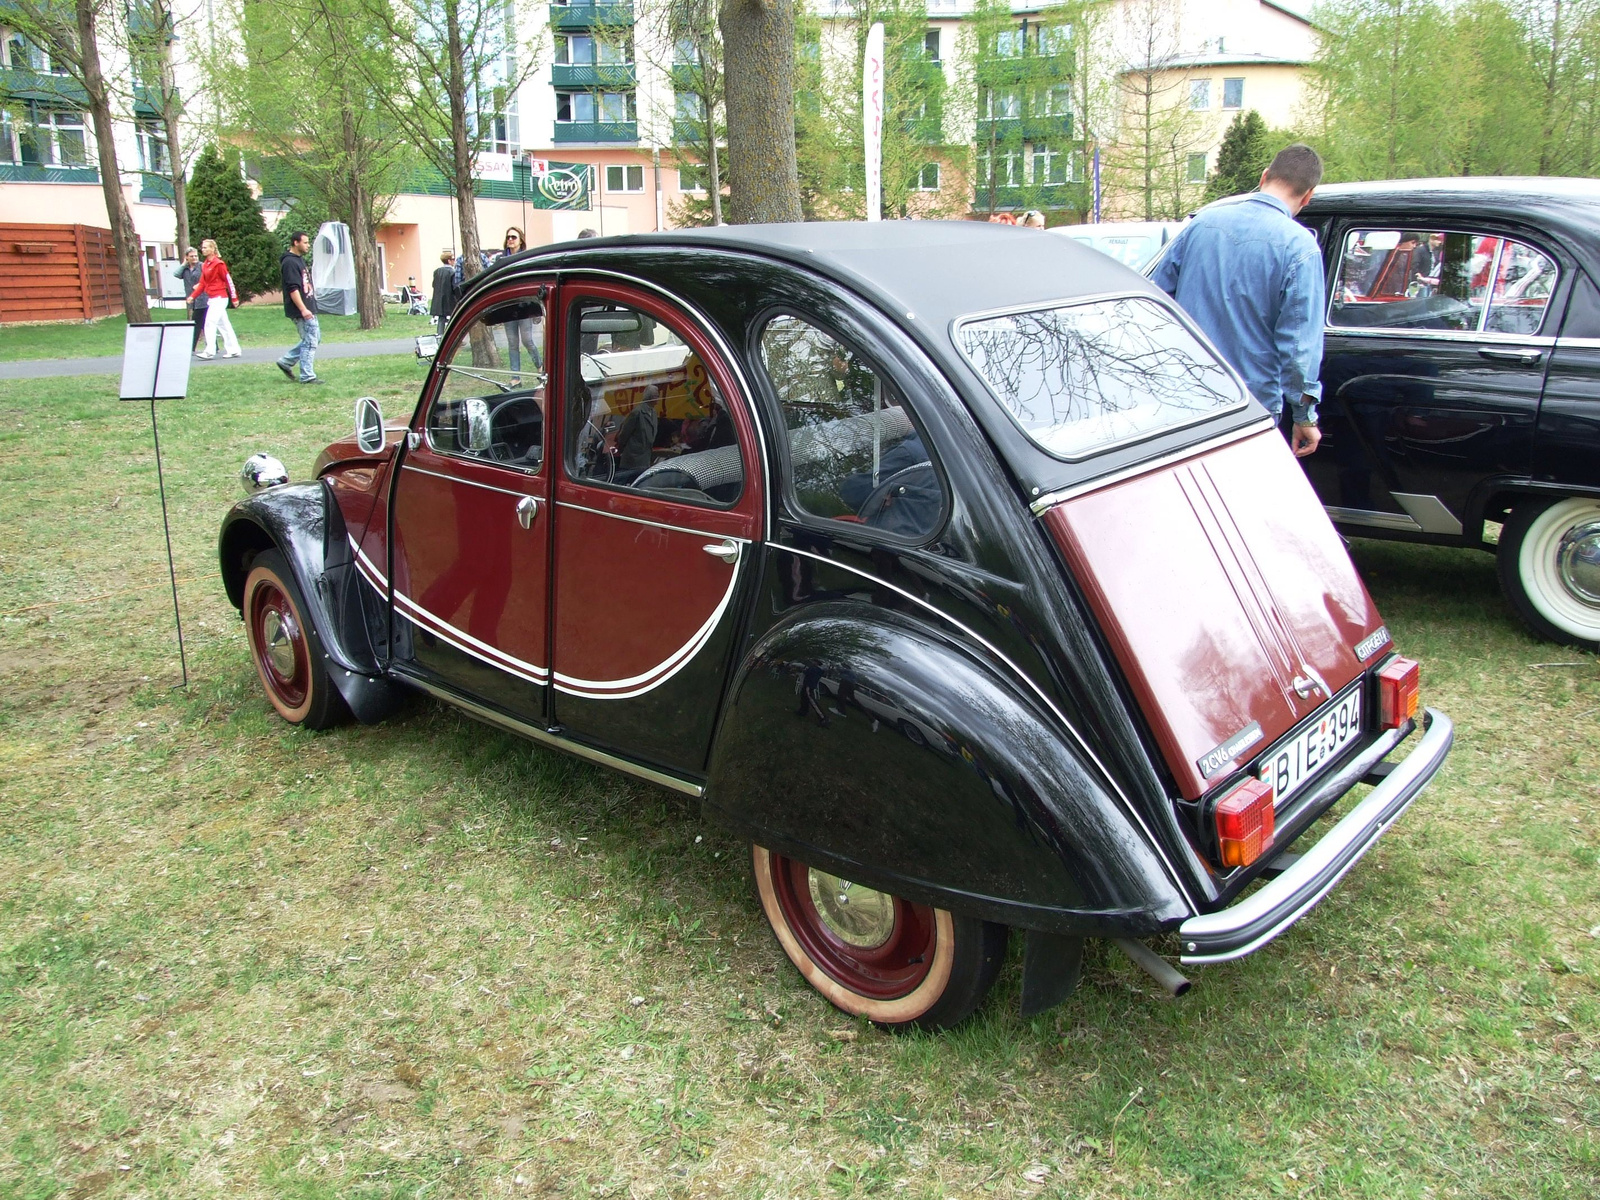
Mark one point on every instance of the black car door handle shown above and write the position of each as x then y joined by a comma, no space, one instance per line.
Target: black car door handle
1526,357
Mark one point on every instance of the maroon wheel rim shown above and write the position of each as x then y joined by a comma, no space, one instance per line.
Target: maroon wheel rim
279,643
887,971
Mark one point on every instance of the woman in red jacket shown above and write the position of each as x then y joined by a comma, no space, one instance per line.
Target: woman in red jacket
216,285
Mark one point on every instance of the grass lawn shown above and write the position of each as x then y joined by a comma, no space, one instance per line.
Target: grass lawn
425,959
257,324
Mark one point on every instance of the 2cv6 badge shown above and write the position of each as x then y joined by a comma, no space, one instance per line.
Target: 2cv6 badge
945,565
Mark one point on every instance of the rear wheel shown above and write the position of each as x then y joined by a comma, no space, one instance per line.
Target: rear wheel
1549,564
875,955
285,647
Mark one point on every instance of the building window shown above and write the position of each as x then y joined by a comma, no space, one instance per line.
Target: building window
575,51
686,53
55,140
1002,104
575,106
689,106
152,139
1004,171
928,178
1008,43
930,46
1197,168
1051,164
587,107
1053,40
1199,94
692,177
8,138
617,106
621,178
1055,101
1233,93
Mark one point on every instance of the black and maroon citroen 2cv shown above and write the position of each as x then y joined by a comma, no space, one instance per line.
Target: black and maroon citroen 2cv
946,562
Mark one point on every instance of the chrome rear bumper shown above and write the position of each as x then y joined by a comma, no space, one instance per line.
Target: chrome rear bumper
1245,927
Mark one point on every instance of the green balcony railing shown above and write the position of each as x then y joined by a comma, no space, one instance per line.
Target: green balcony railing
1052,195
38,173
24,83
589,16
570,132
590,75
1028,128
925,131
154,188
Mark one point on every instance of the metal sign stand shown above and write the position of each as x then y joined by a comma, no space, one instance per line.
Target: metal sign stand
155,366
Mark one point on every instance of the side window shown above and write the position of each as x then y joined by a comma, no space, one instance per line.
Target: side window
1442,280
490,404
643,413
855,453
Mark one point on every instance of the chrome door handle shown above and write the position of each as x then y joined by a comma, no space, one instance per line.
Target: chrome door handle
527,510
727,550
1527,358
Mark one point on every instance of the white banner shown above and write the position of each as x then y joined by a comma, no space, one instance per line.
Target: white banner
872,120
539,166
493,166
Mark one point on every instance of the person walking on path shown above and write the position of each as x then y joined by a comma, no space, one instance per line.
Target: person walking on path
190,275
444,291
1251,277
216,285
299,305
527,332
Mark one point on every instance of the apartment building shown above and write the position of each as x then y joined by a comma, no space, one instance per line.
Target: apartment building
597,136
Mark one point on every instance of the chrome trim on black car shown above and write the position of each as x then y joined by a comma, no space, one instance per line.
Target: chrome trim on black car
1245,927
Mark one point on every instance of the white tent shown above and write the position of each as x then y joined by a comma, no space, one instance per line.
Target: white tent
333,270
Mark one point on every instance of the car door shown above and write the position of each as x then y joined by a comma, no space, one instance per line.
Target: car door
1433,366
658,504
471,522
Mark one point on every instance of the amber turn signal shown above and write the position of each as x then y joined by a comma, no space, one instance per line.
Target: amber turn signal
1244,823
1399,692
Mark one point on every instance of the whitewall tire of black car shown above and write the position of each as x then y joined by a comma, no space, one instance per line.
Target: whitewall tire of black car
1549,562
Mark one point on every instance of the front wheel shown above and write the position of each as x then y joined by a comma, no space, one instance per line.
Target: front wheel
897,963
1549,564
285,647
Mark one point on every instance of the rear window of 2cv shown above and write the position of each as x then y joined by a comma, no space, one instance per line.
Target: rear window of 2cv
1082,378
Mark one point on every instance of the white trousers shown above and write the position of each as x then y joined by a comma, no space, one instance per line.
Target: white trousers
217,320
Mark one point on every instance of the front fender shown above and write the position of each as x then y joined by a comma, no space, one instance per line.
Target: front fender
877,747
303,523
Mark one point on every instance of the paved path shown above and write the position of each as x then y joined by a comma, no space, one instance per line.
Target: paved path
40,368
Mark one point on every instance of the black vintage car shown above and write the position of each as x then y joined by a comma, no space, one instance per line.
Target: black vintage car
943,561
1461,378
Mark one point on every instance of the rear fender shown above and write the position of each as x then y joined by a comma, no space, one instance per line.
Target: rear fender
303,523
876,747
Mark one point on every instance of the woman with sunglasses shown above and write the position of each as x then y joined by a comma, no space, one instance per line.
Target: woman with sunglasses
529,332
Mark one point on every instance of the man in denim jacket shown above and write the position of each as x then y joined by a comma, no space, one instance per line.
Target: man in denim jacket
1251,277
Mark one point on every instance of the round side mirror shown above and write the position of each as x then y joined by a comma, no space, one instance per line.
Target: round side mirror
369,425
473,434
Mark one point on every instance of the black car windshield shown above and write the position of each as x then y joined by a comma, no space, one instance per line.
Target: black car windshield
1082,378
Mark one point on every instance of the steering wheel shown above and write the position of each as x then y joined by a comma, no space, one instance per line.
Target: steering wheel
872,508
503,451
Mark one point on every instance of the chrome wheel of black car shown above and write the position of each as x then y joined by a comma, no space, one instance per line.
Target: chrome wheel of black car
1549,563
284,647
877,955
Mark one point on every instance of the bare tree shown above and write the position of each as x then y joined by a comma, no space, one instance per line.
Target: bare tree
70,32
758,43
152,30
462,62
1149,159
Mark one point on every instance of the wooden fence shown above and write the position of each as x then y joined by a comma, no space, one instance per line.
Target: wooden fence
57,273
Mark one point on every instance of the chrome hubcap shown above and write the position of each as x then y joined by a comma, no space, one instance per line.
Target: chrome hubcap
1578,561
277,630
856,915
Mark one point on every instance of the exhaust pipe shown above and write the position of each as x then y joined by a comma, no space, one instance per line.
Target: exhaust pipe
1159,969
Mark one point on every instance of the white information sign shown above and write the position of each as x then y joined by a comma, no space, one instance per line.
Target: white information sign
155,360
494,166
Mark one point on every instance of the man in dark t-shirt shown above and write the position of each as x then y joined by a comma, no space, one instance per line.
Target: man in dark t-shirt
299,305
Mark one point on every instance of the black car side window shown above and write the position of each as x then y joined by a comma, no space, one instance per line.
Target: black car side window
1395,279
643,413
490,404
856,454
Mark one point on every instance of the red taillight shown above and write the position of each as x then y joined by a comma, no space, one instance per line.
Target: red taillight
1244,823
1399,690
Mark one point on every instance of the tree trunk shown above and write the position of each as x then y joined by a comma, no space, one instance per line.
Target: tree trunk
171,111
1547,138
130,271
461,144
363,238
758,77
713,163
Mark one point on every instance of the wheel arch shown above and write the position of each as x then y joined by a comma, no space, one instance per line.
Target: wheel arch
874,745
1494,498
304,524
